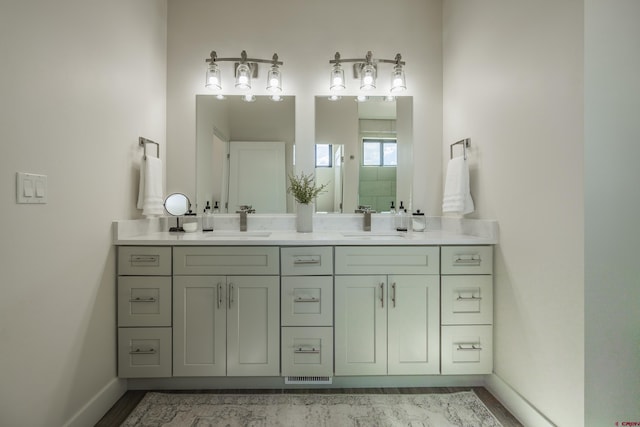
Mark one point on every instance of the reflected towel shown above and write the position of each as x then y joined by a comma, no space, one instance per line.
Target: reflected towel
457,195
150,191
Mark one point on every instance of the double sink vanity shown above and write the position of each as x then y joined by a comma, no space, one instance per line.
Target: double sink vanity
305,308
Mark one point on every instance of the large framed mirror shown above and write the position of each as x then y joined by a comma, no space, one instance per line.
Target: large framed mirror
244,153
364,152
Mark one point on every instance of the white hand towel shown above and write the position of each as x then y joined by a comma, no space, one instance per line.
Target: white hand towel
150,191
457,196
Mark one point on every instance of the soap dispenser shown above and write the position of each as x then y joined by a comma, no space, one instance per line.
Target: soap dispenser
207,218
401,218
216,208
392,208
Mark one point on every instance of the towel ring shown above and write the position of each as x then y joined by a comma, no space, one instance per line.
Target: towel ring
465,144
144,141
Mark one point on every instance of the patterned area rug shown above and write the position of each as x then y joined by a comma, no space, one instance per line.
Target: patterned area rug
462,409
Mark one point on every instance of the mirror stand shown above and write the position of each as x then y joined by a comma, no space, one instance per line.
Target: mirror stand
177,204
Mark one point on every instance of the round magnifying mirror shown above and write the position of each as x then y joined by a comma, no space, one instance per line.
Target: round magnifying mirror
177,204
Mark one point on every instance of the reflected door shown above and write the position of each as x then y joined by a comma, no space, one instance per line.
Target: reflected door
257,176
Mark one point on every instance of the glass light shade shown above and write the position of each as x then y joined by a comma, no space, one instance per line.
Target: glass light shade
243,77
361,98
277,98
274,80
398,83
212,79
249,98
334,98
337,78
368,77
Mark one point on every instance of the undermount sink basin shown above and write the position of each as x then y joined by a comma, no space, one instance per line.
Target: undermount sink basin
229,234
374,234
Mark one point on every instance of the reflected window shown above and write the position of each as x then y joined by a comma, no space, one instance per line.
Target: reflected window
379,152
323,156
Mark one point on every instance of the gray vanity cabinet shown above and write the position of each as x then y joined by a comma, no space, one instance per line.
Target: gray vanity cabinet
225,323
467,309
144,311
387,310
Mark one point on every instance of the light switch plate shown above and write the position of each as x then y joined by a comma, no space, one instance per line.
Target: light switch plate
31,188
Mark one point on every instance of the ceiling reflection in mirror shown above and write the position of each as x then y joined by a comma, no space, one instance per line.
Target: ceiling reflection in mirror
244,152
364,153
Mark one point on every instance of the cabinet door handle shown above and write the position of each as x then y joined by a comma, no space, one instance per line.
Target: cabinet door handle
469,347
138,299
220,301
138,351
382,294
230,294
393,294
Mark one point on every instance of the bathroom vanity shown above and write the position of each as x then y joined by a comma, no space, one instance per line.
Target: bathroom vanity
303,306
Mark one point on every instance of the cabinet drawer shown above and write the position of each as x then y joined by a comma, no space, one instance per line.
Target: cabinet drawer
307,351
306,301
306,261
224,260
467,300
144,301
467,260
144,352
467,349
387,260
144,261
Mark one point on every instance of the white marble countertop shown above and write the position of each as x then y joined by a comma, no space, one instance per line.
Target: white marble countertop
330,230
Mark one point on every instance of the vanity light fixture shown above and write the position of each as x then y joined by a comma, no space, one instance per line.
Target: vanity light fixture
367,71
361,98
245,70
276,98
334,97
249,98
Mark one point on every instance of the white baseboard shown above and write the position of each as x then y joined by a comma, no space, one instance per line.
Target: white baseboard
99,404
524,411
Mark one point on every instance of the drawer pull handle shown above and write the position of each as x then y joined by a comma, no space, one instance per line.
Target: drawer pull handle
471,298
307,260
144,258
465,261
306,350
138,299
310,299
138,351
469,347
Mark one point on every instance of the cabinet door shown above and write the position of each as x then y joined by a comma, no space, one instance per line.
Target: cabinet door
253,339
413,325
360,325
199,326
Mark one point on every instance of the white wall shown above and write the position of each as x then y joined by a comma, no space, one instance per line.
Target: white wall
306,36
513,84
80,82
612,210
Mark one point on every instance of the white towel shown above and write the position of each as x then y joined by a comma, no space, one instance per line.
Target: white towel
150,192
457,196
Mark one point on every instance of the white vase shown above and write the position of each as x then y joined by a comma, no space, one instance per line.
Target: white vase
304,218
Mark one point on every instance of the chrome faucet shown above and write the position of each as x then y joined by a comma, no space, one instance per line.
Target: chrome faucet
243,211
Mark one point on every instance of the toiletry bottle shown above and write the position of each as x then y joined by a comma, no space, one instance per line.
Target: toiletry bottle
401,221
418,221
216,209
207,218
392,208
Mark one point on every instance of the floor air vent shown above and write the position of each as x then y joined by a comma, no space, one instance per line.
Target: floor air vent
308,380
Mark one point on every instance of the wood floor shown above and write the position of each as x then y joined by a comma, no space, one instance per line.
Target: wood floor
123,407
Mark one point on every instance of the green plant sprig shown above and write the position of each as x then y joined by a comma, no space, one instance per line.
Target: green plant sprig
304,189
